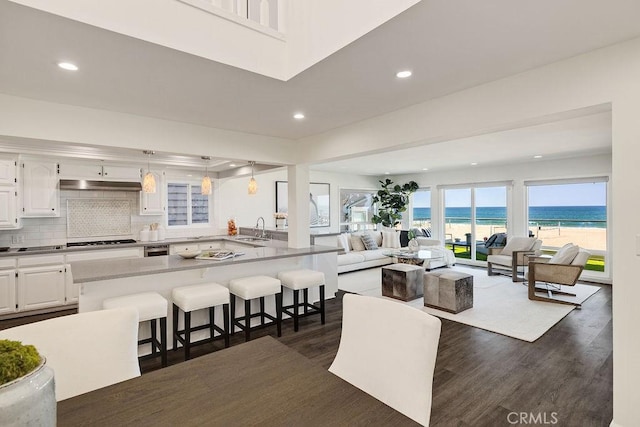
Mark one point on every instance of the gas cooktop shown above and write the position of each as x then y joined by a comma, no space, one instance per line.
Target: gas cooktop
101,242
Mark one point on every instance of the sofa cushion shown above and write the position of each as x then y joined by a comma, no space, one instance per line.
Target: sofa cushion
565,254
351,258
369,242
356,242
343,242
500,259
377,236
390,239
373,255
516,244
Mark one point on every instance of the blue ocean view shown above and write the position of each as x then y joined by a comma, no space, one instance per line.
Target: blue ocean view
565,216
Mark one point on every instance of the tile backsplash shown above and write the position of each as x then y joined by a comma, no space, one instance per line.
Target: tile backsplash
53,231
98,217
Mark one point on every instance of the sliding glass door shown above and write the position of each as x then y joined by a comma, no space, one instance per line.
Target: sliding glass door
457,221
490,218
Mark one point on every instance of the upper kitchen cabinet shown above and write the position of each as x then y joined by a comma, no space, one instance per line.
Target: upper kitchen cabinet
41,194
8,171
153,203
9,194
99,172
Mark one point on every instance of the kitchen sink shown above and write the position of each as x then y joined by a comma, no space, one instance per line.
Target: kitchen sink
252,239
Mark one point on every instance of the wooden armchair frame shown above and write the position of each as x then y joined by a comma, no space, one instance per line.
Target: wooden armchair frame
560,274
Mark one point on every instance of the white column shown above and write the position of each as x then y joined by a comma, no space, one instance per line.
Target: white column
298,202
626,229
283,11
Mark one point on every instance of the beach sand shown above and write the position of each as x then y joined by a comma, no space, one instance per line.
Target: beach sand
588,238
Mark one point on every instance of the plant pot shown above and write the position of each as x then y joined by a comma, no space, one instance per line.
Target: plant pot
29,400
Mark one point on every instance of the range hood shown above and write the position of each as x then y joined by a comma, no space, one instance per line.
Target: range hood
81,184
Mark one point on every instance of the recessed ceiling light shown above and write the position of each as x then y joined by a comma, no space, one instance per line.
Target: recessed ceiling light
189,174
403,74
298,116
232,165
537,156
474,164
386,173
425,169
68,66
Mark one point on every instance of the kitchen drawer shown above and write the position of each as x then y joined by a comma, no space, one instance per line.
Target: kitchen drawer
7,263
27,261
105,254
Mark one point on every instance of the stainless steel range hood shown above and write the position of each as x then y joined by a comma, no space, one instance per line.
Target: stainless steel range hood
81,184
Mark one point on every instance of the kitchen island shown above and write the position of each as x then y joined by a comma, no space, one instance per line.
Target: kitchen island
103,279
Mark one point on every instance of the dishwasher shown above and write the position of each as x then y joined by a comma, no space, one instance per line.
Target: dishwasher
156,250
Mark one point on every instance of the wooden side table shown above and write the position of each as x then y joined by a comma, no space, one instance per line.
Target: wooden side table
402,281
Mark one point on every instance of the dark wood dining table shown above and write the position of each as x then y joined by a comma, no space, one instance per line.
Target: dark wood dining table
262,382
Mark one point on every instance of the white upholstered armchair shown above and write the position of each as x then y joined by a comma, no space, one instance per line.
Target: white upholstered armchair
512,256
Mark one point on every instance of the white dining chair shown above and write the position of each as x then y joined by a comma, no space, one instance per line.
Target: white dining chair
86,351
388,350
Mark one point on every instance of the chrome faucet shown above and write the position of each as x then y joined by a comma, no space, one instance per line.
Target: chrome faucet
263,235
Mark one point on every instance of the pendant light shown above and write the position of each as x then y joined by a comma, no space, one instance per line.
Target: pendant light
253,185
206,181
149,181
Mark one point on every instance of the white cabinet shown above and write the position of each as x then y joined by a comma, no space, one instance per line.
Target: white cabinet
8,208
174,249
40,189
153,203
7,291
41,287
123,173
8,171
99,172
210,245
71,290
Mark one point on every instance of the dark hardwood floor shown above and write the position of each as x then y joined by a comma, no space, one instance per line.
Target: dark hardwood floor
482,378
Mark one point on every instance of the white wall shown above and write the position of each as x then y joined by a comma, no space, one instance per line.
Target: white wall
27,118
234,202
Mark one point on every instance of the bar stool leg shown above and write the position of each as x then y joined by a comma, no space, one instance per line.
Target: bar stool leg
295,310
187,335
233,314
247,320
163,332
212,316
322,316
175,327
225,314
279,313
262,318
154,337
305,292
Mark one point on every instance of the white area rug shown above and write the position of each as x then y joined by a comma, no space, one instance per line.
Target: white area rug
499,305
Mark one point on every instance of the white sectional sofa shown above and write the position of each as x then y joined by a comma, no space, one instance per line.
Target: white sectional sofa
355,256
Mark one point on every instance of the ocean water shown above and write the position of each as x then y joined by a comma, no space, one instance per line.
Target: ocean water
565,216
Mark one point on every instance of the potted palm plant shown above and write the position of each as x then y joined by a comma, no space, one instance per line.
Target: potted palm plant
393,200
27,395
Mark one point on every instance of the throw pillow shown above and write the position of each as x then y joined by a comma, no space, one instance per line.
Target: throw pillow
369,242
518,244
377,236
390,239
356,242
426,232
343,242
565,254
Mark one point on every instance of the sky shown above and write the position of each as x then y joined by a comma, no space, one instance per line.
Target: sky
585,194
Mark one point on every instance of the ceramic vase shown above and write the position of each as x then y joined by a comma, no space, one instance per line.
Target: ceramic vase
29,400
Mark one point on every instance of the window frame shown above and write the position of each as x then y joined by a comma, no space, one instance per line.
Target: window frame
190,225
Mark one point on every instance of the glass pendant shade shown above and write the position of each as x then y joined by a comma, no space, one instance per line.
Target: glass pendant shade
149,183
253,186
206,185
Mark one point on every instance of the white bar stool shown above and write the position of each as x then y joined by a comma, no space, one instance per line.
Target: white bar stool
304,279
197,297
151,306
249,288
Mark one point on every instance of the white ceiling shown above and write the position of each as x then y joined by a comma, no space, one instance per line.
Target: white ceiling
449,45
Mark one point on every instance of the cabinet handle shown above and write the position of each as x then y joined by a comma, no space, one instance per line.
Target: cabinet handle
53,209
